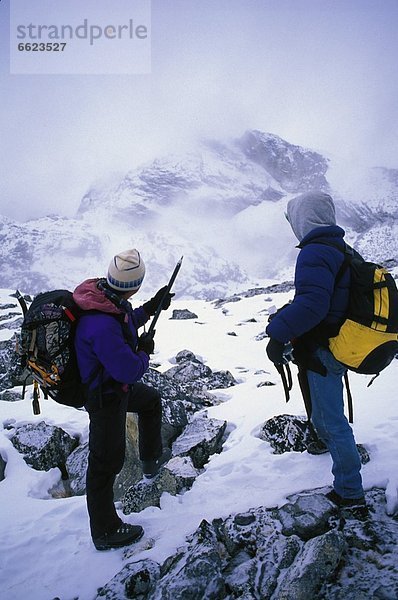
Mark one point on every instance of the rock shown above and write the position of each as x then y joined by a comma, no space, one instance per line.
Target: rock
10,396
43,446
195,379
305,549
10,369
294,168
194,573
188,370
132,467
265,384
318,560
172,394
307,517
136,580
185,355
183,314
131,472
200,439
247,531
286,433
363,454
177,476
3,464
76,465
290,433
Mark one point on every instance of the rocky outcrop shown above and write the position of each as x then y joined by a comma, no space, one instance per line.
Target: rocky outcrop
305,549
293,167
191,451
291,433
43,446
195,379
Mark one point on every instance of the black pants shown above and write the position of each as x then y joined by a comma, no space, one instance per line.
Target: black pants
107,445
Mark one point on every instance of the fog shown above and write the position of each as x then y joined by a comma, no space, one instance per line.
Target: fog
318,73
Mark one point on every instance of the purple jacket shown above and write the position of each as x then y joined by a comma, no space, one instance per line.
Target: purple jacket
100,344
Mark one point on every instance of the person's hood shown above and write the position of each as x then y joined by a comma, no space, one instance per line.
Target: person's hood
309,211
88,297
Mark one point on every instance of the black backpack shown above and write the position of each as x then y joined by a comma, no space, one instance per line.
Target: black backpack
47,348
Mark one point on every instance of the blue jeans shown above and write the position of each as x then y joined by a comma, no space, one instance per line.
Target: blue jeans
332,426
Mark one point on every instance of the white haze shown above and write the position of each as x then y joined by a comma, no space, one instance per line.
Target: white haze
319,74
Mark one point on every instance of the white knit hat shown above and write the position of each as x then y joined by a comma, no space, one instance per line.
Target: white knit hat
126,271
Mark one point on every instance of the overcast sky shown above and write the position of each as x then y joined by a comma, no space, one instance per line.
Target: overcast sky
319,73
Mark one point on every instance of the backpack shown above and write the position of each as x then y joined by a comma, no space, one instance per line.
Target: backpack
367,340
47,348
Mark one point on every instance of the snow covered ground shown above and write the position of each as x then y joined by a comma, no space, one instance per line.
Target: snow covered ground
45,546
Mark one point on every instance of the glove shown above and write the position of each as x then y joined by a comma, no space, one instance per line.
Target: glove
146,343
275,351
152,305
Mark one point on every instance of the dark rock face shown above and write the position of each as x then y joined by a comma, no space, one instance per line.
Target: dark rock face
295,169
43,446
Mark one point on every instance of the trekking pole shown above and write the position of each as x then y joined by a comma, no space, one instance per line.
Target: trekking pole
151,330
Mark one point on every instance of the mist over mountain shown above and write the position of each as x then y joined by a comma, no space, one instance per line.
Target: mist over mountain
221,205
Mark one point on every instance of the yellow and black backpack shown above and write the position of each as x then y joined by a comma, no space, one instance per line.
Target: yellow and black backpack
367,340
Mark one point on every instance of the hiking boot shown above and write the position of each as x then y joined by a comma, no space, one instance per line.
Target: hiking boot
341,502
125,535
151,468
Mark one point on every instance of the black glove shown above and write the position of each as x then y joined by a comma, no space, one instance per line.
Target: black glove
152,305
146,343
275,351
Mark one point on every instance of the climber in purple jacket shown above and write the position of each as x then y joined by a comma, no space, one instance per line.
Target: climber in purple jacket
112,358
319,305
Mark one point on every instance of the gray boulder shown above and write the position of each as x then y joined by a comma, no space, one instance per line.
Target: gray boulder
317,561
177,400
291,433
307,517
195,572
195,379
76,465
176,477
43,446
131,472
200,439
183,314
136,580
10,396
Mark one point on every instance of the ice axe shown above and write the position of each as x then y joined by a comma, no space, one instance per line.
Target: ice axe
151,331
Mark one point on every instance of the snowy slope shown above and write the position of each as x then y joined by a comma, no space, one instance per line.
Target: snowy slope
45,548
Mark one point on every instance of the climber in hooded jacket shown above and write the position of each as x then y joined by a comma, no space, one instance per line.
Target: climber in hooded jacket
112,358
320,301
